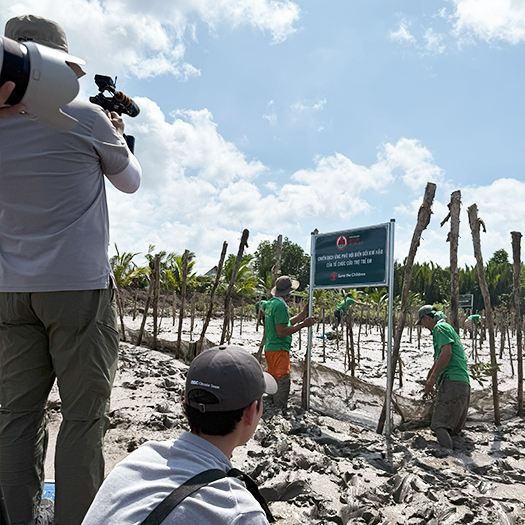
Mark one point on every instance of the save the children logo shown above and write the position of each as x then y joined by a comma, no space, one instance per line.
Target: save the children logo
333,276
341,242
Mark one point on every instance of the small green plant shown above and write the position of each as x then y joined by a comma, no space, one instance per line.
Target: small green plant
481,371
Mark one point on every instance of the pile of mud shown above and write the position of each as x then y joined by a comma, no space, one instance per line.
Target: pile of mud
328,465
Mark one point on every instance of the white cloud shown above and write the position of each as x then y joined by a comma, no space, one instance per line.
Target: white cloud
415,161
187,147
193,176
148,39
270,114
276,16
433,42
403,35
200,190
491,20
303,106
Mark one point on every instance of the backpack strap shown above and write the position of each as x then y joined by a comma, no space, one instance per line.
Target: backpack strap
164,508
161,511
252,487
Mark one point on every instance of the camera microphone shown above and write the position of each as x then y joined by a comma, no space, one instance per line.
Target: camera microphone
131,108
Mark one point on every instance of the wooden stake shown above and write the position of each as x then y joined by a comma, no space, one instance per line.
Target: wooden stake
192,325
242,315
350,321
423,219
475,224
453,237
516,269
162,309
236,266
146,307
258,313
156,288
212,295
121,313
182,297
324,336
135,303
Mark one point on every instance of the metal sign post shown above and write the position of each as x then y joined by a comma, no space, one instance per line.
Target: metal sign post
352,259
388,401
310,328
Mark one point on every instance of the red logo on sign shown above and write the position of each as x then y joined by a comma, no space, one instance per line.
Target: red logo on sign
341,242
333,276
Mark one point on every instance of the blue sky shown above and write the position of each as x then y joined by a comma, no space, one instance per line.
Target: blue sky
286,116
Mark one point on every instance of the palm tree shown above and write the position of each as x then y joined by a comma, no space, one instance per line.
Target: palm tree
125,272
246,282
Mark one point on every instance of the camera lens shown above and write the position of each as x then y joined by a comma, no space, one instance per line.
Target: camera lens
15,67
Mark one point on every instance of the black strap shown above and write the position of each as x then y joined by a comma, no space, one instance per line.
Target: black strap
252,487
4,517
164,508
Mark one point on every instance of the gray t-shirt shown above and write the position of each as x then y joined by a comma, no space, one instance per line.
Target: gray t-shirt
142,480
54,229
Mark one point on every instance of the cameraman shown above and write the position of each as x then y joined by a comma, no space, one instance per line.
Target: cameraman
5,92
57,305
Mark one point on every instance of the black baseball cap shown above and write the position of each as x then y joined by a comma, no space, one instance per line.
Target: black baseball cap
424,310
232,375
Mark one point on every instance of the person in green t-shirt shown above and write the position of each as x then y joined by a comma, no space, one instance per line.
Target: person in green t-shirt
343,307
450,373
472,322
279,329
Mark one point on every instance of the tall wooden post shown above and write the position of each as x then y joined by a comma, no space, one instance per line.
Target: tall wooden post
121,312
236,266
423,219
453,238
156,290
516,269
258,317
182,297
324,335
475,224
192,313
350,325
146,307
212,295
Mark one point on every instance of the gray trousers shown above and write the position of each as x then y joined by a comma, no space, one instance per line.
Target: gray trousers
280,398
72,336
451,406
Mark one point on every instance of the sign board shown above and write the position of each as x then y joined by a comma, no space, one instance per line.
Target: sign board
352,258
466,300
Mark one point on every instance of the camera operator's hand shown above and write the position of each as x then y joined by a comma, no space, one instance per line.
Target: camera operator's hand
8,111
116,120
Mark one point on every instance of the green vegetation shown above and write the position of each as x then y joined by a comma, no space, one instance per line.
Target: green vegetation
430,282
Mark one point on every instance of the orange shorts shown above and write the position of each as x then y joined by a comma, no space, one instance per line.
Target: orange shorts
278,363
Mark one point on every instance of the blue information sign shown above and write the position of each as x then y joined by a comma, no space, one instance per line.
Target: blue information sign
352,258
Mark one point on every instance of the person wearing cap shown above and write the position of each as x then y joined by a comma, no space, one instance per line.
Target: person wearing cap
278,330
472,321
57,305
223,405
450,373
343,307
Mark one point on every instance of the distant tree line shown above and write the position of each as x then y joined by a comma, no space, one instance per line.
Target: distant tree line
430,283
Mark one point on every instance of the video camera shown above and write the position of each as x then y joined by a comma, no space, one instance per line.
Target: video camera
44,78
117,102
